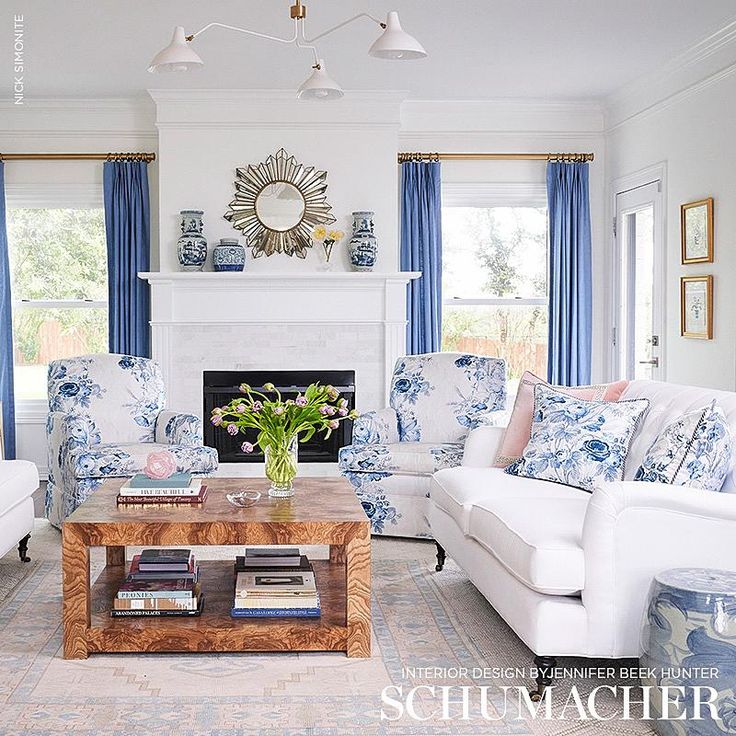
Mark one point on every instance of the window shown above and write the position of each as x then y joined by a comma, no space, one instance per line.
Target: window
58,266
494,284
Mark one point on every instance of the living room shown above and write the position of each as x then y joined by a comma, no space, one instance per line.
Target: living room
425,305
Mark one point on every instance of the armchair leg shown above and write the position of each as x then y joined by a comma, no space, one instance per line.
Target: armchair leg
23,549
441,555
545,666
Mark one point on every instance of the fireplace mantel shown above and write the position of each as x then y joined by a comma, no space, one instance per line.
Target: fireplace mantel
337,320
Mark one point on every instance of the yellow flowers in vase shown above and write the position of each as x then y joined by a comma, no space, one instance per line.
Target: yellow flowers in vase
327,239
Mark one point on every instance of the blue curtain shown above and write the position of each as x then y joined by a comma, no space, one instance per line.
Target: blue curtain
421,250
6,331
127,224
570,297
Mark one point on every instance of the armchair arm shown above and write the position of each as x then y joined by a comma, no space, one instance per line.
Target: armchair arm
481,445
632,531
174,428
68,434
376,427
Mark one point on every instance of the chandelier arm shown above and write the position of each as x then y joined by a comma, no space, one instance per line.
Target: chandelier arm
342,25
306,44
247,32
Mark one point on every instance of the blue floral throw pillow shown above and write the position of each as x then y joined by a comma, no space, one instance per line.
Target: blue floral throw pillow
694,450
576,442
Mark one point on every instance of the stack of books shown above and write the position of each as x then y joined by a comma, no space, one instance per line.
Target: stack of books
180,488
161,582
275,582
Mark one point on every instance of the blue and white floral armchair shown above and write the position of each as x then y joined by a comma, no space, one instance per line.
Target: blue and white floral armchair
435,400
106,414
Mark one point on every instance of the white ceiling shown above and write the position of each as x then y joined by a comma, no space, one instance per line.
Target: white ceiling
477,48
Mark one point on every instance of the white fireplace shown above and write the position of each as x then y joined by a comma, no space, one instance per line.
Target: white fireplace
295,321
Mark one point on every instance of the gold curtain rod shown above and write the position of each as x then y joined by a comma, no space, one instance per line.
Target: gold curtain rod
131,156
566,157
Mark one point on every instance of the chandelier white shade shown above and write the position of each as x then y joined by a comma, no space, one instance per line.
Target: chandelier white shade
393,43
396,43
178,56
319,85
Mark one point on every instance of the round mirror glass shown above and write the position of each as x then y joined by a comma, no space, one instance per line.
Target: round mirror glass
280,206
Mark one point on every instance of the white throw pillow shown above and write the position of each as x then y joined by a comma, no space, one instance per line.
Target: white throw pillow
695,450
577,442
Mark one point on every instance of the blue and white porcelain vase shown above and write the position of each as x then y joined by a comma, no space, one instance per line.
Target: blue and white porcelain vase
228,255
363,247
689,630
191,246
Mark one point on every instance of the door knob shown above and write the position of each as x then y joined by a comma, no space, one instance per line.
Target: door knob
653,361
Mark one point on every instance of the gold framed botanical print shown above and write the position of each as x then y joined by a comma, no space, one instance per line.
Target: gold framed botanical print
696,307
696,231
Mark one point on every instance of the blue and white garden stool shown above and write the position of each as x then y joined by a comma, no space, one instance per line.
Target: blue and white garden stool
690,628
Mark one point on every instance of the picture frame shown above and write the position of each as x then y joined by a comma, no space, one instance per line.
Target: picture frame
696,307
696,231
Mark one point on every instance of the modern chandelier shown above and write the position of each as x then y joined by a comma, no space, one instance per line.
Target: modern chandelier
393,43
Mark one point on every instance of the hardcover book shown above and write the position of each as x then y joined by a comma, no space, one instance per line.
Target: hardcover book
303,565
120,613
301,601
177,480
271,557
274,584
275,612
165,560
163,499
136,573
176,588
157,604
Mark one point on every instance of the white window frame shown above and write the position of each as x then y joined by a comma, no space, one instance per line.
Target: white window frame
52,196
494,194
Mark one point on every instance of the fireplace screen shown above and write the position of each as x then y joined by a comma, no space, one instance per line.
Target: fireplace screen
220,387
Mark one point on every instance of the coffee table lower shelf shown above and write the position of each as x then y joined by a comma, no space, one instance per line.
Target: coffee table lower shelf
215,630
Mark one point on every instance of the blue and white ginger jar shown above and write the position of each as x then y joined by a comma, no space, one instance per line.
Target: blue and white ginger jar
228,255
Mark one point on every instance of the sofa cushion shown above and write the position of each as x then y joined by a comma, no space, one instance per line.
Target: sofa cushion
127,459
410,458
18,481
519,428
540,543
576,442
695,450
456,490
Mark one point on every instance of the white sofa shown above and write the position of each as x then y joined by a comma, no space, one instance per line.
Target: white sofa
18,481
569,571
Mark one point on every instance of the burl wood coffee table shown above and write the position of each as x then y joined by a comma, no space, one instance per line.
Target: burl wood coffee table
323,511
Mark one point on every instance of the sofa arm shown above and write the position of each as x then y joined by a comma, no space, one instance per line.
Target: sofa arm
174,428
481,446
379,427
632,531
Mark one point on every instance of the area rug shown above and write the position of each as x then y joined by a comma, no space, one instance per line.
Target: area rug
421,619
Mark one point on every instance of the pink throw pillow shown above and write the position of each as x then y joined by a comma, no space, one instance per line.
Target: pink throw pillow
519,429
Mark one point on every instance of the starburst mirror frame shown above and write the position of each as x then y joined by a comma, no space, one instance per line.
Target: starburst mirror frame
254,180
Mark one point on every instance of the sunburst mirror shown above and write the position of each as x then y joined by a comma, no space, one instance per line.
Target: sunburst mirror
277,205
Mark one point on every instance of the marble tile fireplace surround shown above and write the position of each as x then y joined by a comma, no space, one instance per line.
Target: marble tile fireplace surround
285,321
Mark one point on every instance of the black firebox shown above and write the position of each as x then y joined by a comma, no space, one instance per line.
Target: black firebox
220,387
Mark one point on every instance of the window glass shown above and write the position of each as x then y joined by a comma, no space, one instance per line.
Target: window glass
58,265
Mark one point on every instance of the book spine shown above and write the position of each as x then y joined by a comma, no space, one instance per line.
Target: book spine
158,604
118,613
143,500
153,594
152,491
275,612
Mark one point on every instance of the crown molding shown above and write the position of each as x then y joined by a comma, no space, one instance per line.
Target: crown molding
502,115
703,64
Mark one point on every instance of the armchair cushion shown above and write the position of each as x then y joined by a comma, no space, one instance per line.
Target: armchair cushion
176,428
122,394
439,397
376,427
121,460
410,458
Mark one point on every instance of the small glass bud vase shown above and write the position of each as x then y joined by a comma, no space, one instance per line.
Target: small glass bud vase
281,467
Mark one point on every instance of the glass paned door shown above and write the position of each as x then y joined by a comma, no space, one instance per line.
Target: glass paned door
638,331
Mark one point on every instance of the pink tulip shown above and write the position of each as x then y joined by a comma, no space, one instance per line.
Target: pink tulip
240,408
342,411
324,410
232,429
257,406
301,401
278,410
160,465
333,424
216,420
247,447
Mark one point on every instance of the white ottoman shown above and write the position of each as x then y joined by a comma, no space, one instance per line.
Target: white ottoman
18,481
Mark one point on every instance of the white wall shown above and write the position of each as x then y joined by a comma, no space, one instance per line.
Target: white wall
205,135
526,127
692,133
